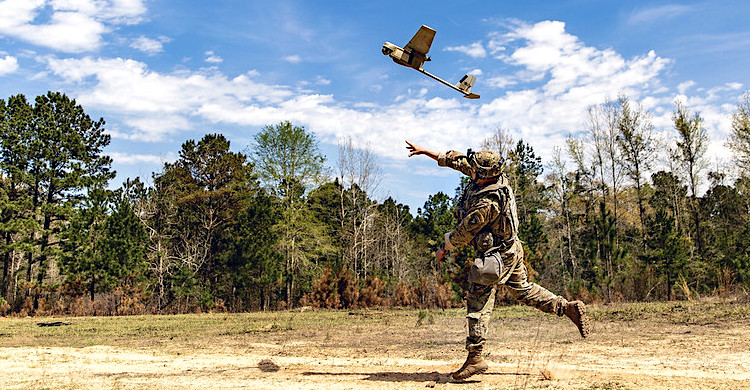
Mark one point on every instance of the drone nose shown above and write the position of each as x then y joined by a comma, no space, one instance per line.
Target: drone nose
386,50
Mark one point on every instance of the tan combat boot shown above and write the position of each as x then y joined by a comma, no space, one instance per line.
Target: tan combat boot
474,364
576,311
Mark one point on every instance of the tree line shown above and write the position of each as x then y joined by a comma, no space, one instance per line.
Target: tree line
627,220
618,215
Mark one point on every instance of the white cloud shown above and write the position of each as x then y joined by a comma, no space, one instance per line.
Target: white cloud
684,86
131,158
154,105
294,59
151,127
157,104
556,78
658,14
148,45
319,80
213,58
474,50
72,25
547,51
8,64
734,86
124,11
500,82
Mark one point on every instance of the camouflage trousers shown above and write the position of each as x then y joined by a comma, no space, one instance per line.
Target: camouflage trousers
480,299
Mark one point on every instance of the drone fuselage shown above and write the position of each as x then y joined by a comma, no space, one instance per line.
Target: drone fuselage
408,58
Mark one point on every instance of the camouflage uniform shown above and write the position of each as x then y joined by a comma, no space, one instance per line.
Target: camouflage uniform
488,221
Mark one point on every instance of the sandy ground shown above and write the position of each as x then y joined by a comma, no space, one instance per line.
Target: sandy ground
541,353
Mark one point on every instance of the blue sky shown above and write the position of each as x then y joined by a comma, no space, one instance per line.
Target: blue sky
162,72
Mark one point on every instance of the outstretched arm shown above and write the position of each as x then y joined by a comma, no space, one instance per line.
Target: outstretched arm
415,150
451,158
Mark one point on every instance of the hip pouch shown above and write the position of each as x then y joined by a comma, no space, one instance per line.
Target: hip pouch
486,269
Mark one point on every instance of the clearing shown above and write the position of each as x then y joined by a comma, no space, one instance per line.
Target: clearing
687,345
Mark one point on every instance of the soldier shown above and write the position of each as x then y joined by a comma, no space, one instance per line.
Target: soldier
488,221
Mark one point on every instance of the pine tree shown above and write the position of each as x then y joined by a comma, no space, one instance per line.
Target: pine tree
201,195
105,243
255,263
666,248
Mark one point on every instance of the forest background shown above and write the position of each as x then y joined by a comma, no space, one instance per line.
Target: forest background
615,215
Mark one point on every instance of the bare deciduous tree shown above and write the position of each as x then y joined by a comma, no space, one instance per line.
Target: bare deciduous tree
562,192
739,140
501,142
638,146
360,174
603,127
692,144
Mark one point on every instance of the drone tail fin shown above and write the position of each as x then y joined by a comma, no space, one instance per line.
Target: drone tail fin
465,84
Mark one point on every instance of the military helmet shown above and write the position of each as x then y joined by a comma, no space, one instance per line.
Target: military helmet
486,163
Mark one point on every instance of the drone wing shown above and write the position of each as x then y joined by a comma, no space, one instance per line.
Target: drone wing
422,40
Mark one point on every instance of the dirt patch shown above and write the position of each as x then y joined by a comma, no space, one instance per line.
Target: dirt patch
387,350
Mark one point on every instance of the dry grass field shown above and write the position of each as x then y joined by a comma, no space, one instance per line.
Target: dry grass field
676,345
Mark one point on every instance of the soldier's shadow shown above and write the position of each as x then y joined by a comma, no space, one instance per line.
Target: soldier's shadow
393,376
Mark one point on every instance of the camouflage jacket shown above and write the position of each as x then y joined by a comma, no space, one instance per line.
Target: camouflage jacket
486,215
